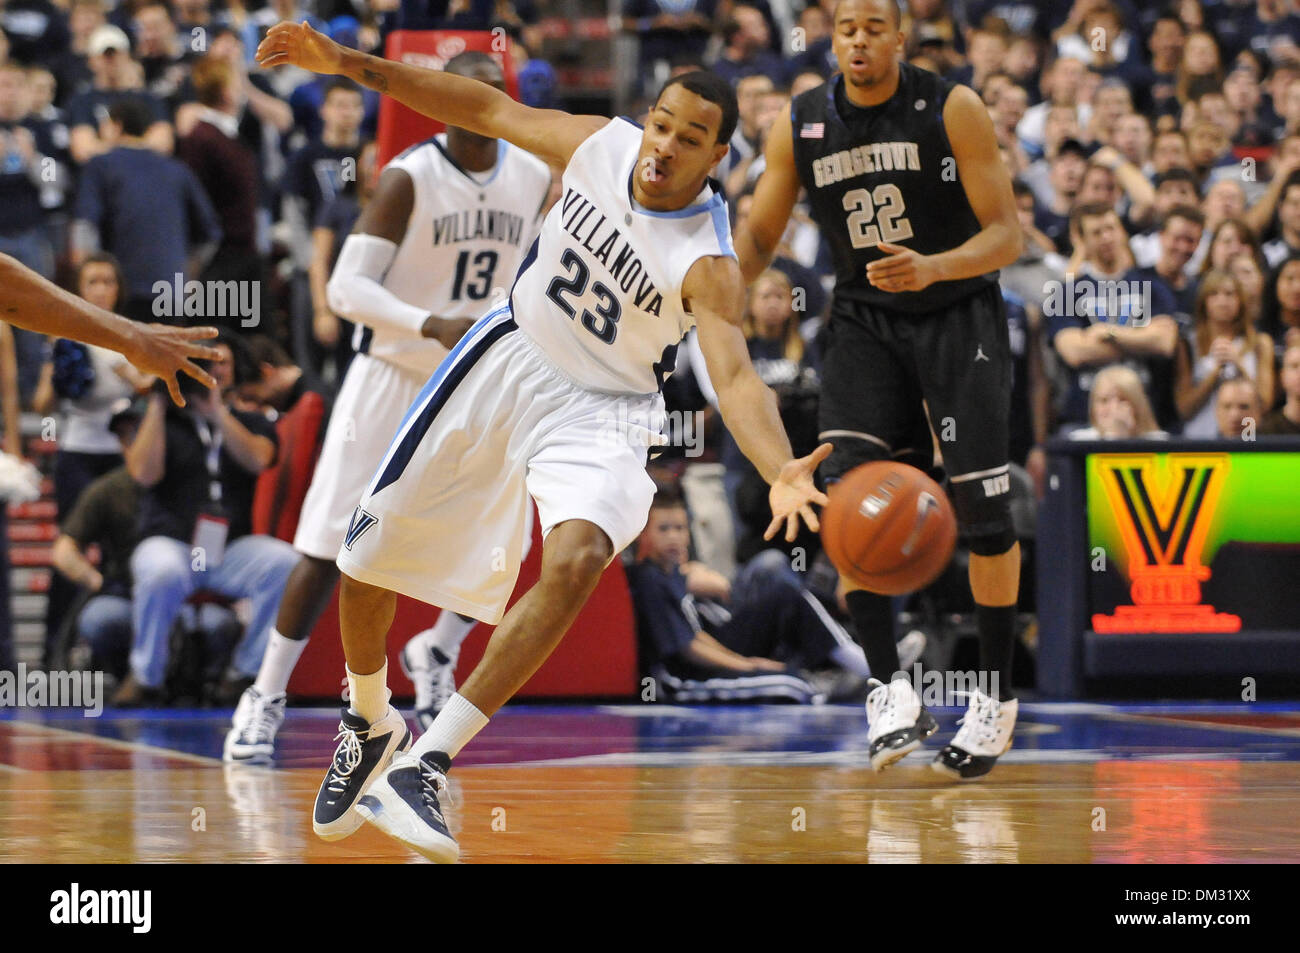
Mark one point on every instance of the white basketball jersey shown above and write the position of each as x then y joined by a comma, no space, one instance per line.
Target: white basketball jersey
601,292
466,236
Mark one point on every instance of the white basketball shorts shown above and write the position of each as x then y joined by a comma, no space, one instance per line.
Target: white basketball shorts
367,411
443,519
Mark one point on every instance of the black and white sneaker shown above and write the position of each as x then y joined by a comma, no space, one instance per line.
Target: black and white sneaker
897,722
364,751
433,673
405,805
984,736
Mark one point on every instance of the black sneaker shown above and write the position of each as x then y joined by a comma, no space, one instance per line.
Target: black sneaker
363,753
405,805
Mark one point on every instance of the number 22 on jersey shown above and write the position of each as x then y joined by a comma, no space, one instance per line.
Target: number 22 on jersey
884,203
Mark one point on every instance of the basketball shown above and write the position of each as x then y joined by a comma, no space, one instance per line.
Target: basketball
888,528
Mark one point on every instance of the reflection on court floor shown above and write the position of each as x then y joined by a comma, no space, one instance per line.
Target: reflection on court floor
1084,783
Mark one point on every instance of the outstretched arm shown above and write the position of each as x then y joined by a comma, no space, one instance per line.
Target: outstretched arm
714,291
549,133
33,303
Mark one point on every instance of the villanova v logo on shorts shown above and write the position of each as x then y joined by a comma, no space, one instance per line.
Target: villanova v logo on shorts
360,522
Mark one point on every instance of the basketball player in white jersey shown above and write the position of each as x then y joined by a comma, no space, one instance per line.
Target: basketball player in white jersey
554,394
449,223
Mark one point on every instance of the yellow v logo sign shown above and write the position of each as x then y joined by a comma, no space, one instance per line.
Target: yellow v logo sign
1162,510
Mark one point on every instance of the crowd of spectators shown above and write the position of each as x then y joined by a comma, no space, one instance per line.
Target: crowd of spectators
1154,151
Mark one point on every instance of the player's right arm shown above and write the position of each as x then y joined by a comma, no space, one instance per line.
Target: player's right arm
714,292
774,197
549,133
33,303
356,288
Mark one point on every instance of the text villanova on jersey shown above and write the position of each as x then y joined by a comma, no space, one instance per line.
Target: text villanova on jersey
610,249
478,225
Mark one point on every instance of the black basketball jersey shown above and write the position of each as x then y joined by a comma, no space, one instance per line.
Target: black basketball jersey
884,173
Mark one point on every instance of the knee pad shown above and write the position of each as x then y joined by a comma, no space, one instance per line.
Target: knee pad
850,451
983,509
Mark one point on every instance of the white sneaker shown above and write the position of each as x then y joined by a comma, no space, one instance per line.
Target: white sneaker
257,718
406,804
984,736
433,673
897,722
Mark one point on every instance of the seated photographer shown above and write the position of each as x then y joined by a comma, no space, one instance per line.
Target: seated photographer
704,638
105,516
197,467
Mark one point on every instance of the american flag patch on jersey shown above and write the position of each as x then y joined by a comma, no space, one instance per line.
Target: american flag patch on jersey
812,130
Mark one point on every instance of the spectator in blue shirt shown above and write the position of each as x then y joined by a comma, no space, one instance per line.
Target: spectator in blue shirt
1110,313
705,638
147,209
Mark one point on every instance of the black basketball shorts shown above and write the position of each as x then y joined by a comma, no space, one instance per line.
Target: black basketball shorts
884,368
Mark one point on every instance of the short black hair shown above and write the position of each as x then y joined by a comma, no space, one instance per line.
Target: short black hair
243,368
1090,210
709,85
466,62
895,5
667,497
1178,174
132,115
266,350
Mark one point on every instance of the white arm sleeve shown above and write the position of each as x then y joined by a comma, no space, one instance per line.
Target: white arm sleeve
355,290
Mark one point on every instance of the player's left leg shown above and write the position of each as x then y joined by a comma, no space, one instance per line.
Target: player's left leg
429,658
966,378
585,468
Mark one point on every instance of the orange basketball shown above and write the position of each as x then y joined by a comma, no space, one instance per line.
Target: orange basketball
888,527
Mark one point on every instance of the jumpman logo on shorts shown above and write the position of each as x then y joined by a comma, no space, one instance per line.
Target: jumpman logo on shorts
979,353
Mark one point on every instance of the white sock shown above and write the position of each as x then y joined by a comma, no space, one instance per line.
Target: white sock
277,664
851,658
452,730
369,693
448,632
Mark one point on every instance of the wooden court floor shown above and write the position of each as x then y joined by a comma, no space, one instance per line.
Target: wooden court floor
1085,784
